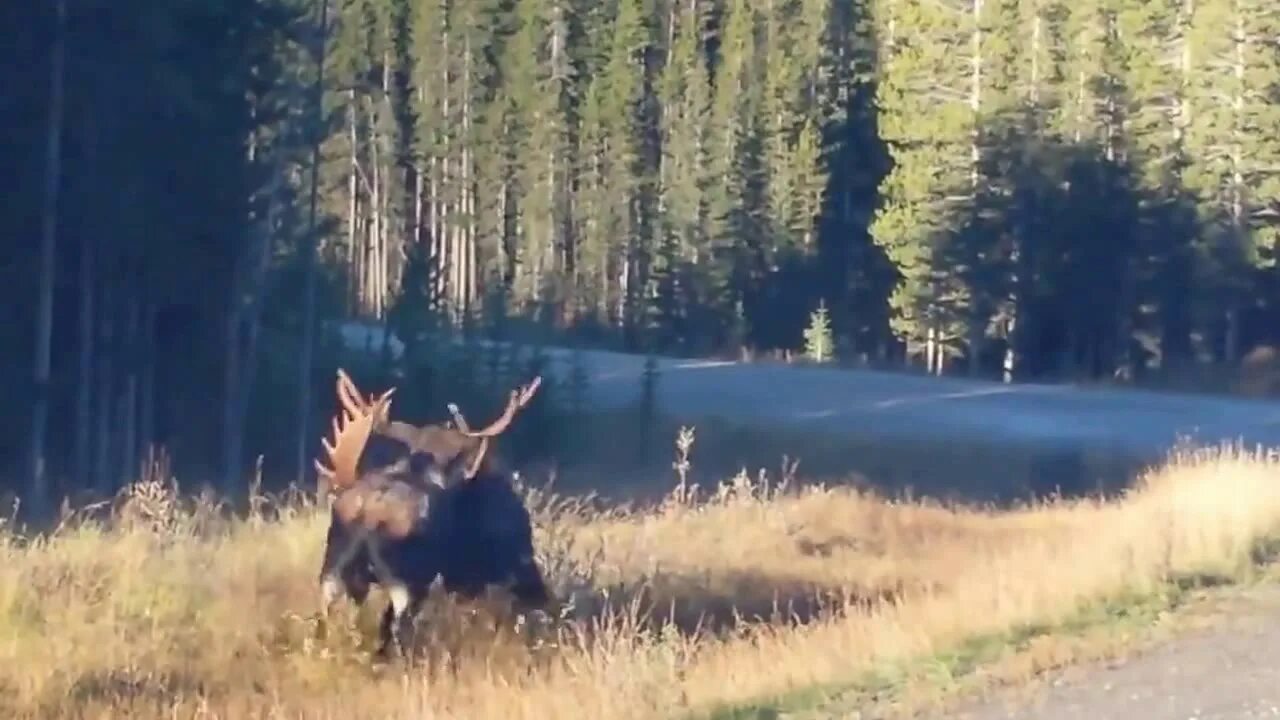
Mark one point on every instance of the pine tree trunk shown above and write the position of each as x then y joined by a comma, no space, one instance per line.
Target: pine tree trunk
975,324
129,397
84,375
38,488
448,240
120,418
306,352
232,439
147,391
1239,231
1231,341
1010,364
930,349
467,209
417,205
354,253
374,278
1016,297
105,441
434,225
388,173
504,209
975,345
243,323
252,324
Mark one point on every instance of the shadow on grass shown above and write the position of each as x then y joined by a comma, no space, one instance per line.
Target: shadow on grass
620,465
124,684
111,690
1266,551
453,634
734,601
686,603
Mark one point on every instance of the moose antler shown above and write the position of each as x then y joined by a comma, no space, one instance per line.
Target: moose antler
351,400
358,418
519,398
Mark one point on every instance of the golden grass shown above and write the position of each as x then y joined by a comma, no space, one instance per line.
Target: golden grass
167,612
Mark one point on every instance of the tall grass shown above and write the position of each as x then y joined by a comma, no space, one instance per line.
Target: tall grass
751,590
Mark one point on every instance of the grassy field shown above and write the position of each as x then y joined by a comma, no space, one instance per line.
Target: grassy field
706,605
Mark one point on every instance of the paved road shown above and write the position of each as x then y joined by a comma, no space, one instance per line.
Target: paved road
870,402
886,404
1229,672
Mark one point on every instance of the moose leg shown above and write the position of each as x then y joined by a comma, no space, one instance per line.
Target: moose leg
397,620
339,573
403,603
529,588
354,582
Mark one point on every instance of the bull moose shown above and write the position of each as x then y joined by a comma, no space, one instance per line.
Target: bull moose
410,503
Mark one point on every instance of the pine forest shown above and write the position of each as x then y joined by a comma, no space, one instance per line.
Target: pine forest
197,192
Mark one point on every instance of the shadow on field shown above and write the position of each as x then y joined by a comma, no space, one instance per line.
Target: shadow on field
134,688
453,637
694,603
452,633
620,464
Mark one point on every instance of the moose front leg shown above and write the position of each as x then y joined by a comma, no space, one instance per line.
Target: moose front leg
398,620
528,586
344,571
405,601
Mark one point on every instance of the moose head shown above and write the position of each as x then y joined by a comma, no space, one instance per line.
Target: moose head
456,452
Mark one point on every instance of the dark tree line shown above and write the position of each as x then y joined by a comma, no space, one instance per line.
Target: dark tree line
195,192
157,236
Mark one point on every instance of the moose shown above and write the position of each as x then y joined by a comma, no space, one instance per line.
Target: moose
412,503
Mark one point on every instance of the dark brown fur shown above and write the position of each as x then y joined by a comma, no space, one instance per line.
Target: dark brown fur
424,501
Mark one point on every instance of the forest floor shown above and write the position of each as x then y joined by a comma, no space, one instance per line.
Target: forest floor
754,600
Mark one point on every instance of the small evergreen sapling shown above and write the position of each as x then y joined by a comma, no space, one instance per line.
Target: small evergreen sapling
818,341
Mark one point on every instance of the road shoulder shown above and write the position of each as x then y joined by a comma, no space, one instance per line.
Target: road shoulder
1209,653
1219,661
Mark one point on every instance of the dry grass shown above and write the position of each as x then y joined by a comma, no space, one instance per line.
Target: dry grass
167,611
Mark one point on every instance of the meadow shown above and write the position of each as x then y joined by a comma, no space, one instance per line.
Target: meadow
700,605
